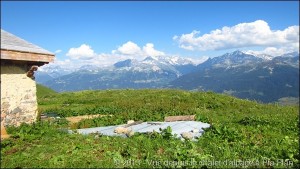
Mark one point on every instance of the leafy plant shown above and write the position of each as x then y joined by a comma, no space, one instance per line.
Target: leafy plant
166,133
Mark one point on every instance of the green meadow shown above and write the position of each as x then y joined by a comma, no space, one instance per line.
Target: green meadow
243,133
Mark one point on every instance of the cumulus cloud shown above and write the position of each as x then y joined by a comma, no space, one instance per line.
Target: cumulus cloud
253,34
273,51
67,64
85,55
132,50
129,48
149,50
83,52
107,59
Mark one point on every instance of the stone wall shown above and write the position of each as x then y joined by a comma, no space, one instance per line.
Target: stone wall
18,95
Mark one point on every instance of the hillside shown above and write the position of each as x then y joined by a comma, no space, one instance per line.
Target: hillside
43,91
252,134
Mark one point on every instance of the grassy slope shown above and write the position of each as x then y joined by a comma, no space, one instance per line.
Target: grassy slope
241,130
43,91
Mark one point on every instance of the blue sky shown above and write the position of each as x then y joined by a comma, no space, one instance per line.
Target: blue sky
161,28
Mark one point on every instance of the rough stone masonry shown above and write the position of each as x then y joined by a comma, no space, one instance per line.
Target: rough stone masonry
18,95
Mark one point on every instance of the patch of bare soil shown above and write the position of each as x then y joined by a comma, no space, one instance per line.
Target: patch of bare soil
4,134
76,119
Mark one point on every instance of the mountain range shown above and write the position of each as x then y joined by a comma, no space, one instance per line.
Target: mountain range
247,75
151,72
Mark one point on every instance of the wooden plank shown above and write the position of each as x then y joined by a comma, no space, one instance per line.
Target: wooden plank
180,118
25,56
76,119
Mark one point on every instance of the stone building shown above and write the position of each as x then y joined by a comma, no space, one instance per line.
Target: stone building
19,60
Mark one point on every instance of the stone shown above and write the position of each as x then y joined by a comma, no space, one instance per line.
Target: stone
4,105
130,121
121,130
195,130
187,135
3,115
130,134
7,121
16,110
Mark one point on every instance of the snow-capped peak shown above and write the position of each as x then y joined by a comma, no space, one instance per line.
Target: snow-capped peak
292,54
54,70
89,67
259,55
237,52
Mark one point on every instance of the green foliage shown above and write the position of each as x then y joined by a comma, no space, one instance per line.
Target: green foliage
166,133
224,133
254,121
241,130
37,130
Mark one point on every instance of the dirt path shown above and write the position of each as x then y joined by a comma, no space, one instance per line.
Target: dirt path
76,119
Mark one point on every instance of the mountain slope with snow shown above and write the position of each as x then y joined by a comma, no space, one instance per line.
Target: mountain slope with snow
242,74
151,72
245,76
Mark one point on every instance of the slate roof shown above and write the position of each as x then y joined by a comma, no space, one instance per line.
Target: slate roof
178,127
14,43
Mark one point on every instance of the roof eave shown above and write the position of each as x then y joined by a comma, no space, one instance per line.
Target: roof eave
26,56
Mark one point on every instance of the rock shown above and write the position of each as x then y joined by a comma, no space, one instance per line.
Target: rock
195,130
3,115
130,121
130,134
16,110
187,135
121,130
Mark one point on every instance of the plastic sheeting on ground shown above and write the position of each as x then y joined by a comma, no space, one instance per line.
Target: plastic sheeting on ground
178,127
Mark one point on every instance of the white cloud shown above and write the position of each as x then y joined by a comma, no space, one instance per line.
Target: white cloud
84,55
83,52
175,37
106,59
273,51
150,51
67,64
129,48
132,50
253,34
57,51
